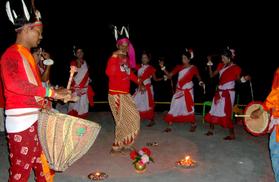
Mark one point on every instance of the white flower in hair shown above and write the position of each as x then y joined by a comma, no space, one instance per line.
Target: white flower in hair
191,52
232,51
38,15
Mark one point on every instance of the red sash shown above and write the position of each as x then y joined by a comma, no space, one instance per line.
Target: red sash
188,98
150,96
228,102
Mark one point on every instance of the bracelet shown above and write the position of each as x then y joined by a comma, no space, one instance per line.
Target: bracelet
163,68
242,79
47,92
50,92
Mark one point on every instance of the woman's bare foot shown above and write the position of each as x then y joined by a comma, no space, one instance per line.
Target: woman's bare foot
167,130
152,123
209,133
193,128
115,152
229,137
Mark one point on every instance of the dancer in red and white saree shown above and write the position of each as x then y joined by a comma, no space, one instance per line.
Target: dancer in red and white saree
145,99
80,87
221,109
182,104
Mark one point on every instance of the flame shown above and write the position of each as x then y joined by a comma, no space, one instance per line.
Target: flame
186,161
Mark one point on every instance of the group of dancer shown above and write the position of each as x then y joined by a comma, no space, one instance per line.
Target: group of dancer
128,112
182,103
25,88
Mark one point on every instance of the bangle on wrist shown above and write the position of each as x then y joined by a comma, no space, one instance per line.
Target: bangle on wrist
242,79
53,93
47,92
50,93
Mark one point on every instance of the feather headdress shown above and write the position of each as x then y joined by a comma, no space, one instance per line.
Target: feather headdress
19,14
122,33
123,36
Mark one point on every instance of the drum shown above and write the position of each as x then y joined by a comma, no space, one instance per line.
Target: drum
65,138
257,126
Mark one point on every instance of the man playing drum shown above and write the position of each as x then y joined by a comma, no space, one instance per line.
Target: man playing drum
24,96
272,104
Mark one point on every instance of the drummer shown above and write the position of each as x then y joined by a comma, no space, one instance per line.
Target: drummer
24,93
272,104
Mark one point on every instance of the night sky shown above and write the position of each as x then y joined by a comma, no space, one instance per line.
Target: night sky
163,29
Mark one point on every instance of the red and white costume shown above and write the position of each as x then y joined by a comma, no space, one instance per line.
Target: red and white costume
221,109
80,87
24,94
145,100
182,103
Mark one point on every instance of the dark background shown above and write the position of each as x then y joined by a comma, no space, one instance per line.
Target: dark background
164,29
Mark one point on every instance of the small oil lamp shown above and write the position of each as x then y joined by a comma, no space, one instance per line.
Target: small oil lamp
97,176
187,162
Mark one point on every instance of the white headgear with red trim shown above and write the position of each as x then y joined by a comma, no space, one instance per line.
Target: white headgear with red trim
19,14
190,51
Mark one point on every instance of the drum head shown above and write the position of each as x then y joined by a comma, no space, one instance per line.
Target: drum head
257,126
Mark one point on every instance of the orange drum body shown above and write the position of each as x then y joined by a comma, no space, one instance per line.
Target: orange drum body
257,126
